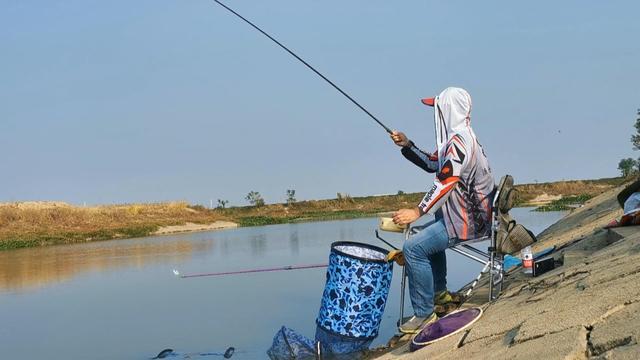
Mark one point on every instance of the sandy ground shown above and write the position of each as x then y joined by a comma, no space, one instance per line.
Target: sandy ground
35,205
543,199
191,227
589,308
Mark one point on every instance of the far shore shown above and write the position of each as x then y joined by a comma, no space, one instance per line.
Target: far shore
193,227
32,224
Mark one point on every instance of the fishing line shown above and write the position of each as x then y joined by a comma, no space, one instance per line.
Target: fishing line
305,63
283,268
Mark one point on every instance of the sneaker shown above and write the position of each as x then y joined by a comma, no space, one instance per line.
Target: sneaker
415,324
447,297
442,298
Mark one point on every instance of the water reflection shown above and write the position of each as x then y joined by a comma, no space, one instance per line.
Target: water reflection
26,269
346,233
258,244
294,242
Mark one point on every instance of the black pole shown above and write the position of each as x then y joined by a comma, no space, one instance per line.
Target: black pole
385,241
307,64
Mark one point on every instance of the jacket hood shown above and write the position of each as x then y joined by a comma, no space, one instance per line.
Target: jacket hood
452,115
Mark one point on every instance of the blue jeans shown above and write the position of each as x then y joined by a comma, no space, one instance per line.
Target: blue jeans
426,265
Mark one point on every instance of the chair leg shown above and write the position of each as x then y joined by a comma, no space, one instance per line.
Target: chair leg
403,285
403,282
491,271
496,276
475,282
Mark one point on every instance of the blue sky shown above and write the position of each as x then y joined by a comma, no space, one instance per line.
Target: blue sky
120,101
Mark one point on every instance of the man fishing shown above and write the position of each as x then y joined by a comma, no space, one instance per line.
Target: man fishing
459,199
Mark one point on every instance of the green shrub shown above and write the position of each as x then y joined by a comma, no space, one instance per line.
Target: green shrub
565,203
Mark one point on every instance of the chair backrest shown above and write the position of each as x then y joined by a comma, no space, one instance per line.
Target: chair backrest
502,202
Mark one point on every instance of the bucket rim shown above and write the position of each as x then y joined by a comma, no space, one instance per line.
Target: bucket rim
359,244
347,337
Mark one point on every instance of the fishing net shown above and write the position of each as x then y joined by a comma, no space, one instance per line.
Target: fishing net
447,326
289,345
354,298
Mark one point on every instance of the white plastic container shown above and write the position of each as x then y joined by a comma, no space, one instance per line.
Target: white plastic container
527,260
387,224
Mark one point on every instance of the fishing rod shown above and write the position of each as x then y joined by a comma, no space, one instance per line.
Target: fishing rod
305,63
283,268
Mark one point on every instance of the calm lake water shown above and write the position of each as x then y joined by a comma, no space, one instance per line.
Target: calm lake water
120,300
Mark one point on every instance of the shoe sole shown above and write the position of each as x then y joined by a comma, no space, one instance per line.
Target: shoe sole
420,328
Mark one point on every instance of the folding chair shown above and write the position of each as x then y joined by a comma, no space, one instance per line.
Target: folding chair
492,258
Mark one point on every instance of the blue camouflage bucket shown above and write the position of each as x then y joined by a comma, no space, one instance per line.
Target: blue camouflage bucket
355,294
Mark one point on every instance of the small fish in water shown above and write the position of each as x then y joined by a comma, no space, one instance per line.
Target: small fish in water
163,354
229,353
169,352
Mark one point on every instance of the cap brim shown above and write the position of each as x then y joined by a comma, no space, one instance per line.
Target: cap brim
429,101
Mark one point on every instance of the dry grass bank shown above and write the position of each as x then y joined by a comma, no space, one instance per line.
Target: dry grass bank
313,210
47,223
547,192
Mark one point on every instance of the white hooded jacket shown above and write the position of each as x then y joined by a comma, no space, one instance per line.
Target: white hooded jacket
464,185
